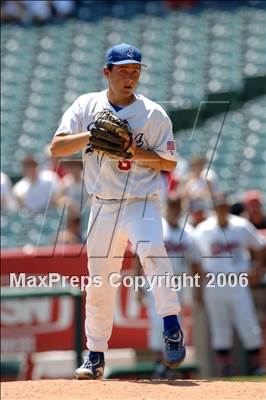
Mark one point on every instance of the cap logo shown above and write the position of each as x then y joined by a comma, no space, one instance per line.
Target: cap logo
130,52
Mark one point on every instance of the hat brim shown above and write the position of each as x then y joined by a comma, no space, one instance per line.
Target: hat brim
127,62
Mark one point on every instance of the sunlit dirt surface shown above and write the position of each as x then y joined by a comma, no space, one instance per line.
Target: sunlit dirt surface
132,390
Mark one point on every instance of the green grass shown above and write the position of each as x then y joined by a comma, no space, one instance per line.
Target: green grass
245,379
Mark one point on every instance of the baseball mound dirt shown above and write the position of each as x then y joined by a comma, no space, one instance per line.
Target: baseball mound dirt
132,390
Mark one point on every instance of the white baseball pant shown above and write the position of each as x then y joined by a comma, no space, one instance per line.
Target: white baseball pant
111,224
229,307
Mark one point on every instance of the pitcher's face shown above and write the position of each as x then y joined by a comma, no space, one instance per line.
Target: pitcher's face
123,79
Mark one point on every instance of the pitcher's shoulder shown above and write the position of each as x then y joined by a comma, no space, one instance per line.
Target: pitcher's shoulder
151,105
90,97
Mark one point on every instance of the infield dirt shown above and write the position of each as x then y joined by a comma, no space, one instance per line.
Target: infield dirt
132,390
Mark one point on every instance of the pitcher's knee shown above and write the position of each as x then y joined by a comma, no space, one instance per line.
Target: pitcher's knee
100,293
152,253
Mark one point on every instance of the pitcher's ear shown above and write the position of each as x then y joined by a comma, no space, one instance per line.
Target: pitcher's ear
106,72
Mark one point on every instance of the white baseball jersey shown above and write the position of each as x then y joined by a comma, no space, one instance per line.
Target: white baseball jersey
226,249
198,187
37,195
152,130
180,247
8,202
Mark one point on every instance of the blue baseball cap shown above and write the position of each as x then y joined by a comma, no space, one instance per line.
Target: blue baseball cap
123,53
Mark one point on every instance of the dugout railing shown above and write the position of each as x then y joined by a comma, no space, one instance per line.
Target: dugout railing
8,293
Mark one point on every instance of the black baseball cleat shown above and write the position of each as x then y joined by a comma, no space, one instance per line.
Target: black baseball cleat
175,351
160,371
92,368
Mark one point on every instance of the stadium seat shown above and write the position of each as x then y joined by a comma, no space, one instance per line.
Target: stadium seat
226,62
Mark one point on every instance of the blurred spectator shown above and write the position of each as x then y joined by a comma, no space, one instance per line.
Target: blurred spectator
53,163
13,11
185,4
73,183
177,178
72,233
254,210
199,185
169,186
8,202
37,189
62,8
181,170
225,242
197,211
28,11
237,208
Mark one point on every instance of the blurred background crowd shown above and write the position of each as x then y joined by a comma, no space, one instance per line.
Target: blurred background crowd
206,67
54,188
210,78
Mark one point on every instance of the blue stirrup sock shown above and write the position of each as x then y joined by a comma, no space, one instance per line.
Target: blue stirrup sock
171,321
